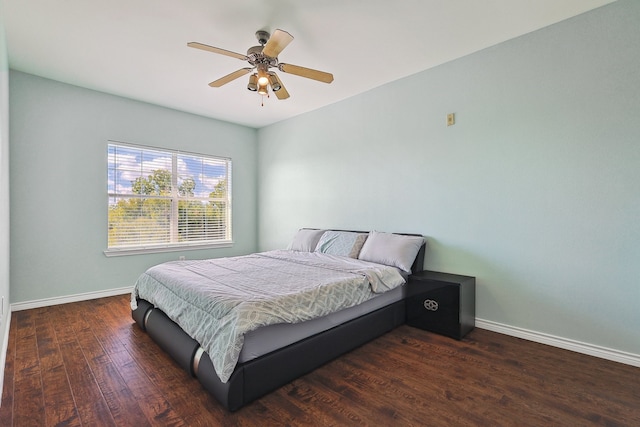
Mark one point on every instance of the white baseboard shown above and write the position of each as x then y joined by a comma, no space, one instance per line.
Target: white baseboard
564,343
18,306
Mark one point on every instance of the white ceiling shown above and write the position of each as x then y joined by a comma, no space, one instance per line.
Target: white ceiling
137,48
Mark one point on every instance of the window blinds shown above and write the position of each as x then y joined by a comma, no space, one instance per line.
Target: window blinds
166,198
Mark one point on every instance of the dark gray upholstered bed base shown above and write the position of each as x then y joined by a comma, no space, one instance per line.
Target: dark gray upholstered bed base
259,376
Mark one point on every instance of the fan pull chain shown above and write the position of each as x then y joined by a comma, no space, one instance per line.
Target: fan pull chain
262,97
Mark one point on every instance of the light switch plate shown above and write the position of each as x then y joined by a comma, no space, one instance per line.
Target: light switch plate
451,119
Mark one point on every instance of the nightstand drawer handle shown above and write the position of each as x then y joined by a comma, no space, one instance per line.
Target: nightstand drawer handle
430,305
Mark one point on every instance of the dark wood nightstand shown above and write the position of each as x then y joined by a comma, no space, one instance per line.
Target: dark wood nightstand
441,302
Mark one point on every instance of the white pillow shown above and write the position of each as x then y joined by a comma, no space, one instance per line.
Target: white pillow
391,249
341,243
306,240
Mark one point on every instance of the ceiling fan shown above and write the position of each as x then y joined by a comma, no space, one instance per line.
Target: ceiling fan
262,58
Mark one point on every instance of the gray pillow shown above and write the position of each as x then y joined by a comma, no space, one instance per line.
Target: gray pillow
306,240
391,249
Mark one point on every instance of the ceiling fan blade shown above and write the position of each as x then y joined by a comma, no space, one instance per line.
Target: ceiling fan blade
276,44
309,73
230,77
217,50
282,92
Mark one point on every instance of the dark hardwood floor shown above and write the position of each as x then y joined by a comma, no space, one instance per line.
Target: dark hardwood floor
88,364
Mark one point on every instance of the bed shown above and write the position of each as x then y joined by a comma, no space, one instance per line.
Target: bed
333,290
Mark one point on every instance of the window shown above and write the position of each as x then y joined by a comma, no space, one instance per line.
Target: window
160,199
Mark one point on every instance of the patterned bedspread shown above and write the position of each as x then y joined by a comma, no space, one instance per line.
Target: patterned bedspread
217,301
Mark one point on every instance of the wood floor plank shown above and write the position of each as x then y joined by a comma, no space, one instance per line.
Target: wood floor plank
152,400
478,380
406,377
6,408
281,408
405,392
59,404
28,401
323,406
126,408
90,403
351,401
122,405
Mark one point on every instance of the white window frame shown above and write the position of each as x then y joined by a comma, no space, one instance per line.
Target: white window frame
173,244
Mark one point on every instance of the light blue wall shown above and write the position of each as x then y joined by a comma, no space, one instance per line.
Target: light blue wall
4,188
58,152
535,190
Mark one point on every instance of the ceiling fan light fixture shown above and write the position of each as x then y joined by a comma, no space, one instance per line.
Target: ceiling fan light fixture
253,82
273,81
263,76
262,89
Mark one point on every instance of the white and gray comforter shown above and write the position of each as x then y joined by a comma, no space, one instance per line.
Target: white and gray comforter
217,301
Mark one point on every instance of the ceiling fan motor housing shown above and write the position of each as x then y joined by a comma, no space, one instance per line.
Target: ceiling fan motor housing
254,50
255,57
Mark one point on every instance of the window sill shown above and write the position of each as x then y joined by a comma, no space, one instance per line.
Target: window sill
167,248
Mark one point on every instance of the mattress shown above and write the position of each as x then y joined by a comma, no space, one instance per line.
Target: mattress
269,338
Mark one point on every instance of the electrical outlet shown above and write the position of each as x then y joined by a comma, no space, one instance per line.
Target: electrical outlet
181,258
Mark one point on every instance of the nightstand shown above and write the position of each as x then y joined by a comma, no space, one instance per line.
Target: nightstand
441,302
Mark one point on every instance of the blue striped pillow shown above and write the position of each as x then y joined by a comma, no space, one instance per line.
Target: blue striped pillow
341,243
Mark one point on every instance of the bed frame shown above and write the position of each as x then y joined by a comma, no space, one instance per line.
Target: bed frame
257,377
